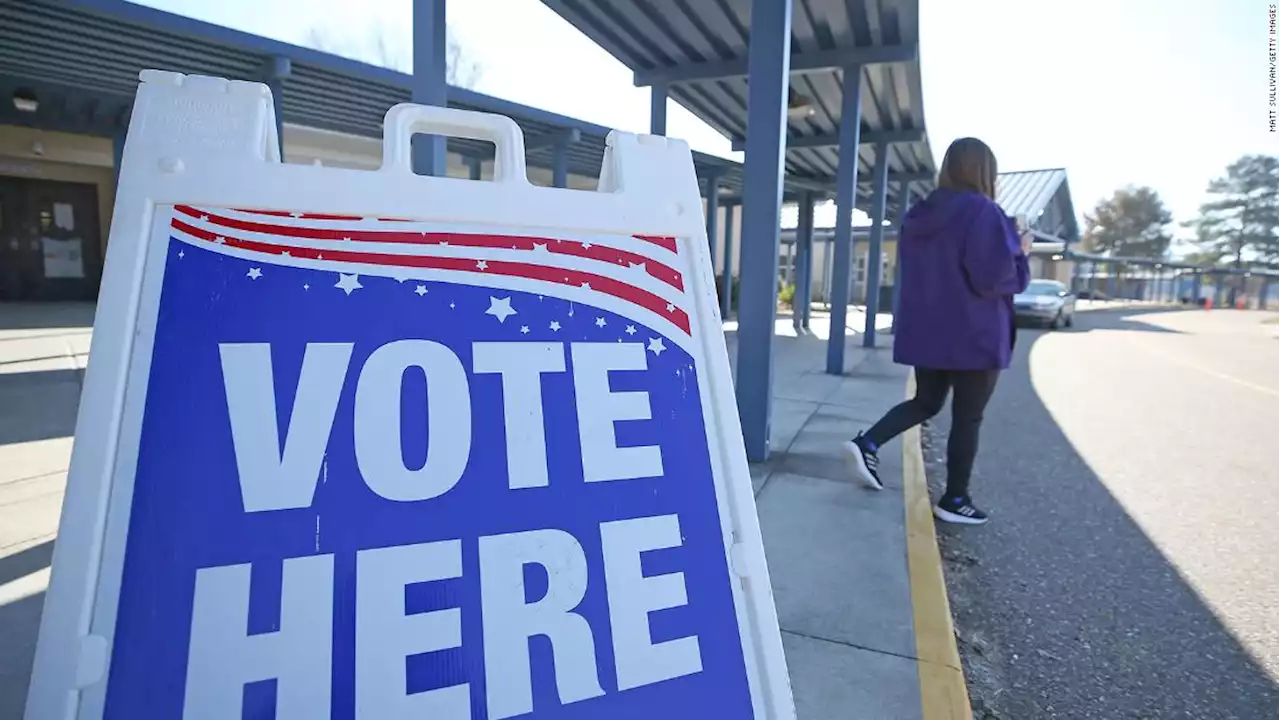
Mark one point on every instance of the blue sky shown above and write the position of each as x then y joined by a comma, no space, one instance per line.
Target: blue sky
1149,92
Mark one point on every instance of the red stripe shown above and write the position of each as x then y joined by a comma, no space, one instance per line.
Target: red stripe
560,276
659,240
603,253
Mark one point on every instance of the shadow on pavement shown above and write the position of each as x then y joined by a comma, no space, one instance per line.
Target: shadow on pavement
19,628
24,562
45,402
1128,319
46,316
1064,606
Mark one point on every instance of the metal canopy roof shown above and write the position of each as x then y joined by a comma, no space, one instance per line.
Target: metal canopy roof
699,51
1042,196
82,59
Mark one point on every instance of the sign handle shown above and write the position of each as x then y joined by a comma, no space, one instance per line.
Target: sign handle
406,119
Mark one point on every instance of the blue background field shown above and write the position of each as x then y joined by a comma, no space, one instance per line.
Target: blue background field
187,512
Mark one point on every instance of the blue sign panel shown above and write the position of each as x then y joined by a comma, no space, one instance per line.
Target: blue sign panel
376,496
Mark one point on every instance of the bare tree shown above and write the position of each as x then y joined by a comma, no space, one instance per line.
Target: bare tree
388,49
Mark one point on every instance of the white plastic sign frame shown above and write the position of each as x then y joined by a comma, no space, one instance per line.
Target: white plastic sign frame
201,142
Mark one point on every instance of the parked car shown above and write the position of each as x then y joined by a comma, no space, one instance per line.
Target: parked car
1090,294
1046,302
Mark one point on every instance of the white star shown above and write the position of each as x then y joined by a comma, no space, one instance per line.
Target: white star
346,239
285,253
586,245
555,326
319,256
421,290
444,243
204,218
296,214
500,308
182,253
586,286
600,322
220,240
631,329
482,265
306,286
638,266
540,247
655,344
348,283
670,307
255,273
452,306
524,329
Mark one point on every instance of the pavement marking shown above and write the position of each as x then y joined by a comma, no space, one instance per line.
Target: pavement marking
1207,371
943,693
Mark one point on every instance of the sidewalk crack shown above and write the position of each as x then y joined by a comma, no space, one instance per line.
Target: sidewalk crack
853,645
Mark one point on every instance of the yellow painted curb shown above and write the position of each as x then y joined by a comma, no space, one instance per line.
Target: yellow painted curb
943,693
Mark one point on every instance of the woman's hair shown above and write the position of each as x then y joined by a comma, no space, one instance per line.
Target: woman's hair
969,165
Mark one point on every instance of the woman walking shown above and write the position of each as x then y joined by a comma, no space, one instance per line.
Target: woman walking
962,261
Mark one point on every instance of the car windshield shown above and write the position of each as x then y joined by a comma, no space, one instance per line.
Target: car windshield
1043,289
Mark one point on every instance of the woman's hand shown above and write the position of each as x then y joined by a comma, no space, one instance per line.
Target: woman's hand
1024,233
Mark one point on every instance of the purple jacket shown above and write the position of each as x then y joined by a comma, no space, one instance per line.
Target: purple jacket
961,263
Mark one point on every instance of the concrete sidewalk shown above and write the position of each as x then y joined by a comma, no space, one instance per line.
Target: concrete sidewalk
838,552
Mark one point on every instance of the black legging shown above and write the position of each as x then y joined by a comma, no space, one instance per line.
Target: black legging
973,389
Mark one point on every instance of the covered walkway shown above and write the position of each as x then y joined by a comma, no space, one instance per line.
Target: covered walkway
826,92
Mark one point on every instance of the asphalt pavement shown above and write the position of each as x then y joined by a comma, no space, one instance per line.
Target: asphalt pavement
1130,567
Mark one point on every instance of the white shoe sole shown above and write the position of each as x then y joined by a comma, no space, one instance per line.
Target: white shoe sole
953,518
853,456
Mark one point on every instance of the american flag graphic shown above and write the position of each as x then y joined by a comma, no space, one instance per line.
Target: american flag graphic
640,271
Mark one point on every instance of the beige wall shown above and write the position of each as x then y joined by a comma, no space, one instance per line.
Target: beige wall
821,265
1046,268
63,157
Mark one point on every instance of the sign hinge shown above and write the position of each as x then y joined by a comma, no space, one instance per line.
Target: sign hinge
91,666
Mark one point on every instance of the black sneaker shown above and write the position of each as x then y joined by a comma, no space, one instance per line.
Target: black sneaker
960,511
864,461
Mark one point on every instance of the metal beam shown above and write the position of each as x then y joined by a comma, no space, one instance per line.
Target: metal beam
879,190
428,84
868,137
846,200
827,186
800,63
713,210
560,156
658,109
904,202
804,264
726,282
769,56
117,152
